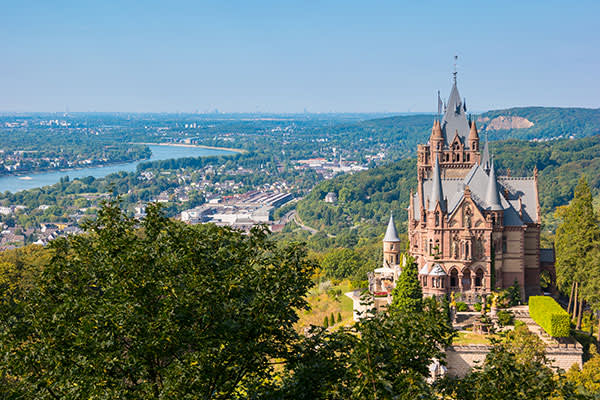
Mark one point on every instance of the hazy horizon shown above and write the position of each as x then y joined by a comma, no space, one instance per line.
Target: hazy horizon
290,57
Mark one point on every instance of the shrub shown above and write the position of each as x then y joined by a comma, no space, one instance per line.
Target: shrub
461,306
477,306
505,318
548,314
326,322
519,323
331,320
339,318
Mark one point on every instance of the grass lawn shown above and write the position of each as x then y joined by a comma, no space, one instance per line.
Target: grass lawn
323,301
470,338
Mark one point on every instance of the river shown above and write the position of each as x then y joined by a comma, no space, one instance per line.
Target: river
16,183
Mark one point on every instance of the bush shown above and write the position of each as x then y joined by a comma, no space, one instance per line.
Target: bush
505,318
461,306
325,322
477,306
548,314
339,318
519,323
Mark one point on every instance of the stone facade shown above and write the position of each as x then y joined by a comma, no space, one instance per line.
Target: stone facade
461,359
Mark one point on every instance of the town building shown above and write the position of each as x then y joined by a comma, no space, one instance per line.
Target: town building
470,230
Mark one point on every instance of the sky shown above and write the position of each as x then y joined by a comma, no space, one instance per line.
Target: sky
295,56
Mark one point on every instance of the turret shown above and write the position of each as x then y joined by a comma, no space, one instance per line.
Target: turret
473,137
391,245
492,197
437,138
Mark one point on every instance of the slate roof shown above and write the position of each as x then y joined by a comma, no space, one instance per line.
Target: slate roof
390,234
509,189
455,118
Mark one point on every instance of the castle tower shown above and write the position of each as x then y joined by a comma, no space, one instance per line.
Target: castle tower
391,245
470,231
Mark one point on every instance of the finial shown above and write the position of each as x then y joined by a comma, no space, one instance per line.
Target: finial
454,73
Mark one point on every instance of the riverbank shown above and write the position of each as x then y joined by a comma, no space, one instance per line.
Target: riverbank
200,146
14,183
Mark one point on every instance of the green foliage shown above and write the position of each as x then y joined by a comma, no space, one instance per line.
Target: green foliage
383,356
577,235
477,306
519,323
331,320
505,318
339,317
156,312
547,313
408,293
365,200
511,296
462,306
325,322
509,373
587,379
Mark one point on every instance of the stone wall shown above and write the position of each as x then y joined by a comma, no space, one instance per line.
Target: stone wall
461,359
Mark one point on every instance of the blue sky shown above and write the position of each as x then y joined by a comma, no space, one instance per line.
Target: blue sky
287,56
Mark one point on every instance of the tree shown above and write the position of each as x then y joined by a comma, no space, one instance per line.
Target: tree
164,311
576,236
385,355
408,293
587,379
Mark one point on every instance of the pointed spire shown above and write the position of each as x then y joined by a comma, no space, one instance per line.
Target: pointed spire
492,197
473,135
437,194
485,156
436,130
390,233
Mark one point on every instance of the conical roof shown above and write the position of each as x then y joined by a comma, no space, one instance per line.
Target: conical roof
473,133
436,191
485,156
492,197
390,233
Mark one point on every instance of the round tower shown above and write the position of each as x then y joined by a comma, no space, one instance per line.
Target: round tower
391,245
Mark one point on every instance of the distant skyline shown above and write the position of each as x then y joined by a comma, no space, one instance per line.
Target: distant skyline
292,56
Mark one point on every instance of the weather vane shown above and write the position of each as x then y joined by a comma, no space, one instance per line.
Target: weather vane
454,73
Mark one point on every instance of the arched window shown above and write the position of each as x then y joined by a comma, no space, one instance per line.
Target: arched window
479,278
437,218
467,253
453,278
430,247
466,280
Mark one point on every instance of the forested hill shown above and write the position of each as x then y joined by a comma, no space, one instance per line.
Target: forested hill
366,198
400,135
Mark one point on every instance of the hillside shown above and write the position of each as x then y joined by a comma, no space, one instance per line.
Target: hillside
366,198
399,136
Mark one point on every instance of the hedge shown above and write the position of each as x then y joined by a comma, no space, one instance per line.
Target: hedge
550,316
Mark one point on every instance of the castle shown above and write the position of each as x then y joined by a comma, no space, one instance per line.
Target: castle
470,230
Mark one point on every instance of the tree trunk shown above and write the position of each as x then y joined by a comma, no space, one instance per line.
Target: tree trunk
580,315
574,314
571,298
